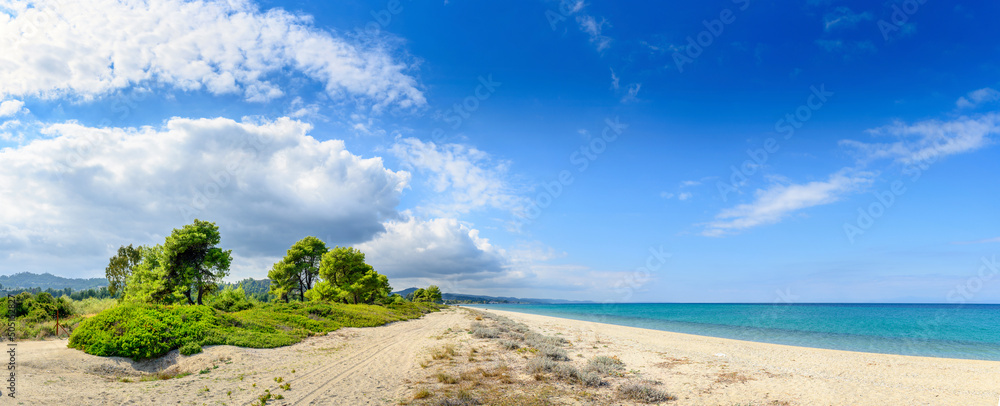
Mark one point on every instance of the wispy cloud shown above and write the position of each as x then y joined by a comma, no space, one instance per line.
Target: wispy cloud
776,202
615,80
632,94
848,48
928,140
983,241
465,177
978,97
843,18
594,27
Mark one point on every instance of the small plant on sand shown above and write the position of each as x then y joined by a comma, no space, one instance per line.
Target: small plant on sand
445,352
445,378
643,392
422,394
463,398
605,365
286,386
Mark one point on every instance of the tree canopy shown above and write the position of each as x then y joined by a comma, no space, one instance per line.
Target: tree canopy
347,278
193,263
120,267
296,273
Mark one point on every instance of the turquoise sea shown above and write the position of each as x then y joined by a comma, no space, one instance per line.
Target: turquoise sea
933,330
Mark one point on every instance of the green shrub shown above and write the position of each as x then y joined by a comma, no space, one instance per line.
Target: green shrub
231,300
139,331
93,305
190,348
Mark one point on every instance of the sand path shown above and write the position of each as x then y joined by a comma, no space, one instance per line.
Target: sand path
351,366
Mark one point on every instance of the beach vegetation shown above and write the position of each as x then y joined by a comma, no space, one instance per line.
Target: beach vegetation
431,294
346,278
643,392
605,365
296,273
142,330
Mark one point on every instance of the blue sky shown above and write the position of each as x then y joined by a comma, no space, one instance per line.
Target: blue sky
724,151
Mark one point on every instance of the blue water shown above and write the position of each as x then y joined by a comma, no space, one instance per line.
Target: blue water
931,330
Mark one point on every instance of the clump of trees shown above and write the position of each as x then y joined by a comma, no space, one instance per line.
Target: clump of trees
186,268
189,266
431,294
310,271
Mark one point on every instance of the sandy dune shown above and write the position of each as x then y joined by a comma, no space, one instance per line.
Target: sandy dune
351,366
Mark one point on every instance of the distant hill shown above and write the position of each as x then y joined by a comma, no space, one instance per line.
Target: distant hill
27,280
459,297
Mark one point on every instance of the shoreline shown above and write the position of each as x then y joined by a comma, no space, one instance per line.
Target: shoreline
693,367
830,347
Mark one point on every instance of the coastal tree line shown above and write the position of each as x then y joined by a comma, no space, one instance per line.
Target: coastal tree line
189,266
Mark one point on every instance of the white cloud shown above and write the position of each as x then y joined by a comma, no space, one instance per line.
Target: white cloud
774,203
929,140
689,183
467,177
632,93
10,107
978,97
593,28
684,196
84,50
441,248
615,80
72,198
843,17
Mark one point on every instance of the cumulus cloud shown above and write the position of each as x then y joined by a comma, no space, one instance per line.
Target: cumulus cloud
467,178
84,50
80,191
440,248
10,108
928,140
978,97
774,203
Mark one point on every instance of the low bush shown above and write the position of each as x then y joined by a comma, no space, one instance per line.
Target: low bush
190,348
605,365
485,332
643,392
140,331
